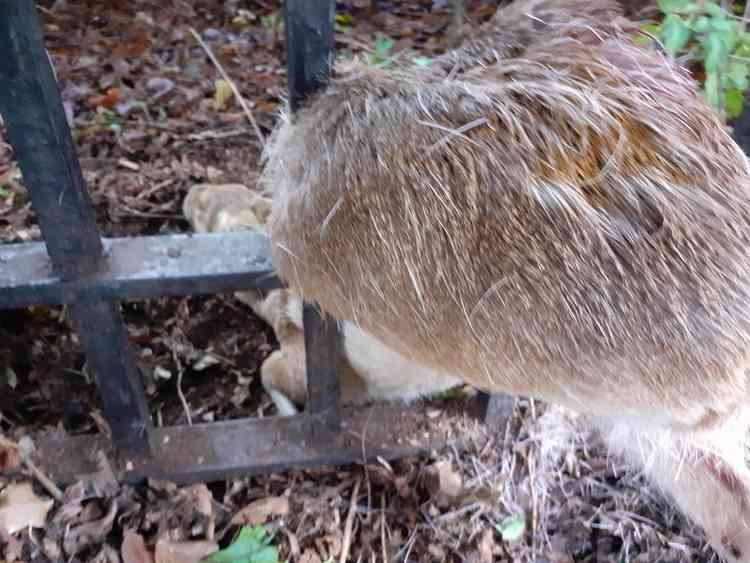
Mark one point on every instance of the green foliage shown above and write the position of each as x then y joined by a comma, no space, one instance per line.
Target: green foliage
715,37
4,191
448,394
512,528
252,545
271,20
383,55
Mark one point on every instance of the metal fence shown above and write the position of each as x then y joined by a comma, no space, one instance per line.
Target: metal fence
89,274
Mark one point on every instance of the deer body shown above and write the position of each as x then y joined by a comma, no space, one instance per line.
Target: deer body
561,217
369,370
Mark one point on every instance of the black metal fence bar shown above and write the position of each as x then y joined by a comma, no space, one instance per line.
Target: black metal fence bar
140,268
309,46
323,353
76,267
309,51
38,131
233,448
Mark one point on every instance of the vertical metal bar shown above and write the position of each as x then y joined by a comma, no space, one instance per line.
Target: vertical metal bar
38,131
495,409
309,46
309,51
323,350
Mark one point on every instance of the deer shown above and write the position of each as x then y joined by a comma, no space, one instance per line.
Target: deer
550,210
368,371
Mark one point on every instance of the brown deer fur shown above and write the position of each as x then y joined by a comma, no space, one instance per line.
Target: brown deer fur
550,211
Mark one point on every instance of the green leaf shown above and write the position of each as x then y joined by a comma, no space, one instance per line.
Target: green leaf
716,52
725,26
344,19
512,528
650,28
4,191
714,10
252,545
422,61
737,74
673,6
713,96
675,34
734,100
383,45
701,25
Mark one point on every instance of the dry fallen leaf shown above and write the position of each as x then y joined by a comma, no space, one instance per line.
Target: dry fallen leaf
202,500
82,536
134,550
223,93
487,546
10,457
183,552
443,482
310,556
20,508
257,512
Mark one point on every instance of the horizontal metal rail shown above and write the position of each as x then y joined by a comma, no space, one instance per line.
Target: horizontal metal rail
141,268
74,266
218,450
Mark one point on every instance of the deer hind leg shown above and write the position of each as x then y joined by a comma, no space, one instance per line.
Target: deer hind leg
703,469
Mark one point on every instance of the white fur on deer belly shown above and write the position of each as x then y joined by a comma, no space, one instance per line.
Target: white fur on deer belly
388,374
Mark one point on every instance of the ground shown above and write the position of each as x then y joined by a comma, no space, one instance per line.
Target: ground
149,120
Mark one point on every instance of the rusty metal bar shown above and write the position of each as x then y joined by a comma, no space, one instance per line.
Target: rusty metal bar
309,49
323,352
140,268
219,450
38,131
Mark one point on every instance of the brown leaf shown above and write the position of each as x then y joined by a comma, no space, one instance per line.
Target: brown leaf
133,46
486,546
134,550
90,532
20,508
183,552
202,501
108,100
12,548
257,512
310,556
443,482
223,93
10,457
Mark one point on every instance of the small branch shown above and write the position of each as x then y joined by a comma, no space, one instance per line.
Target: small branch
183,400
44,481
232,85
347,541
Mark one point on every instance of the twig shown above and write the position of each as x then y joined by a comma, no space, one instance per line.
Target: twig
346,544
382,527
44,481
364,462
232,85
181,395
